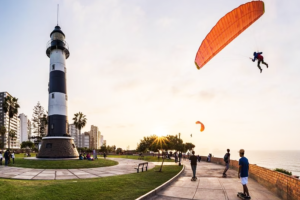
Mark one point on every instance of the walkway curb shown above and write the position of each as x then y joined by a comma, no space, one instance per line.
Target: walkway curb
155,191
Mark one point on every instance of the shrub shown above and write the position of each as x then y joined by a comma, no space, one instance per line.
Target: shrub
283,171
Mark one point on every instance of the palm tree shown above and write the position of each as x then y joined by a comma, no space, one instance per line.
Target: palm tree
2,133
10,106
12,134
79,122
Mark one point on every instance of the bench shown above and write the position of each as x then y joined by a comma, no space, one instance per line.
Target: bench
140,157
142,165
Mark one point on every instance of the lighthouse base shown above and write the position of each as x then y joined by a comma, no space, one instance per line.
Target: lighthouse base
58,147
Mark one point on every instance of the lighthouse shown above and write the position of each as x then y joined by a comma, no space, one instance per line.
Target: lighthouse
58,143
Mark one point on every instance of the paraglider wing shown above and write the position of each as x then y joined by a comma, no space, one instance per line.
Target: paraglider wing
202,126
227,29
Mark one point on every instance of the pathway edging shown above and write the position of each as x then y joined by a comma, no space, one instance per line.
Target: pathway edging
155,191
124,166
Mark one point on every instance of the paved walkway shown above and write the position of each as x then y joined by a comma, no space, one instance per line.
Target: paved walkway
125,166
210,185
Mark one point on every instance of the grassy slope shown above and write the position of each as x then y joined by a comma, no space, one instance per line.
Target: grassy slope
128,186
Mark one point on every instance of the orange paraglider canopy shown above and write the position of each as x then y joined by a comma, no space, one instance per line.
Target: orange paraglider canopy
227,29
202,125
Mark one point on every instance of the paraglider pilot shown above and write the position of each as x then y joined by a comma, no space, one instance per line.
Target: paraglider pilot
260,59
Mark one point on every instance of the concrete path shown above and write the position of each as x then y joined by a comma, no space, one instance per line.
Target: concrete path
125,166
210,185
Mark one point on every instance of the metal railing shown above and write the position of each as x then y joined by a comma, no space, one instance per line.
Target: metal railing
63,41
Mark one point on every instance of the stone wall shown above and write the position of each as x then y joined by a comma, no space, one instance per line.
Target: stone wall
58,148
286,187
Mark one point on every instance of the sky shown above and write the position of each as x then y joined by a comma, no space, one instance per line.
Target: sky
131,70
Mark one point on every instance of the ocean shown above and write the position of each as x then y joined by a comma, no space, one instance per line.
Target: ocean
288,160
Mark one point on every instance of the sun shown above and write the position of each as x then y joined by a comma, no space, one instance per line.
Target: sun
160,131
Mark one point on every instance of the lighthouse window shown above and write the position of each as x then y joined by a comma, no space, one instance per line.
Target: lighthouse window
53,96
53,67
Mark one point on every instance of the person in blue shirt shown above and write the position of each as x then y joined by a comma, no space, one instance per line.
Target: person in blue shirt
260,59
243,173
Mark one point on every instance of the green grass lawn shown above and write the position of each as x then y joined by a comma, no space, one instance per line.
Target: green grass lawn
128,186
21,155
61,164
146,158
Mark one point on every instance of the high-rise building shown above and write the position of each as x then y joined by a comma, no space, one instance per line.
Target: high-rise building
104,142
24,129
101,140
29,130
95,140
86,139
14,125
74,132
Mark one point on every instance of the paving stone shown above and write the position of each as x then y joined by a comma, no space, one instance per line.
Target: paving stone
211,185
66,177
22,177
125,166
87,176
209,194
59,173
179,192
44,177
105,175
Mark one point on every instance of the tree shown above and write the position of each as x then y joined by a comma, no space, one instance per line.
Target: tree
103,148
10,106
2,133
27,144
44,123
147,143
79,122
119,150
12,134
189,146
37,121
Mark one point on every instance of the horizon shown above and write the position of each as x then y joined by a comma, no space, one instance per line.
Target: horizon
131,70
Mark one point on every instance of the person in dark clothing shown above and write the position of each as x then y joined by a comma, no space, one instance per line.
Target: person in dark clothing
6,156
193,160
227,162
199,158
1,157
244,172
260,59
180,157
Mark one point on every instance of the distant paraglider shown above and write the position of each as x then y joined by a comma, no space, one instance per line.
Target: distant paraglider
227,29
202,126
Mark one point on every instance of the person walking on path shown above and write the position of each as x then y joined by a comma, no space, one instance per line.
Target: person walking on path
227,162
243,173
95,154
176,157
13,157
193,160
104,155
180,157
1,157
6,157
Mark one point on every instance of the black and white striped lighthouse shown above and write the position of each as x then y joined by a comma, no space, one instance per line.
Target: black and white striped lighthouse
57,143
